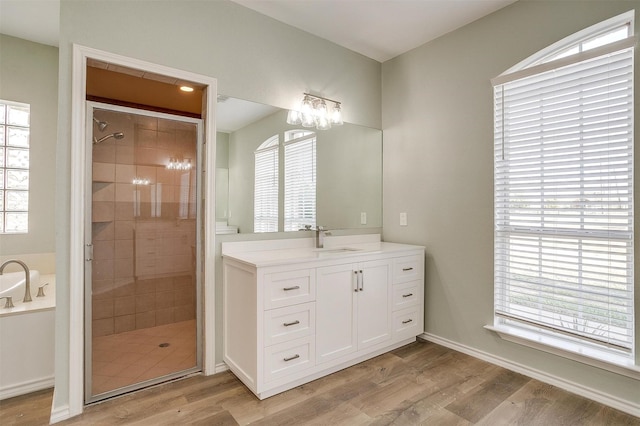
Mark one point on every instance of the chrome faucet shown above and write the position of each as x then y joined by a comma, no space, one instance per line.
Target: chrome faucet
27,287
320,234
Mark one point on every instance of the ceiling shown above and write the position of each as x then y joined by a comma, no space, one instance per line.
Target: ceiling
378,29
34,20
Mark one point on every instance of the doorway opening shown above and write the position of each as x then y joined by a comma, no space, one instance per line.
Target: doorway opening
70,380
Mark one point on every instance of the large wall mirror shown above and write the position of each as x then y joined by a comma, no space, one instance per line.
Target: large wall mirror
346,164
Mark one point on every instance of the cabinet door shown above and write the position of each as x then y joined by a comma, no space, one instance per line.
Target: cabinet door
375,301
335,312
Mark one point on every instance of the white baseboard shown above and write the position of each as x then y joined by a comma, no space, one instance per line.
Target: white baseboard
59,414
576,388
26,387
221,367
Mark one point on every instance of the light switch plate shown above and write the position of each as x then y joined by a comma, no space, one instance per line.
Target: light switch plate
363,218
403,219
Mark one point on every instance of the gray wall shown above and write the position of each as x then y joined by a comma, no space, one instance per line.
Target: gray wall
438,167
222,150
30,75
222,176
252,56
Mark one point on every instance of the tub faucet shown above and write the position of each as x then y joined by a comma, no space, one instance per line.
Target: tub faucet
27,286
320,234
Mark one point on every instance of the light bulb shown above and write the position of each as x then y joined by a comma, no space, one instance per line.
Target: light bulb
294,117
336,115
323,123
307,106
320,109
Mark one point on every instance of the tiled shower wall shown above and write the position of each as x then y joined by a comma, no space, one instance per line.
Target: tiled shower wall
144,236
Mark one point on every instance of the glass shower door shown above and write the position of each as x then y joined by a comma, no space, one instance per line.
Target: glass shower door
142,292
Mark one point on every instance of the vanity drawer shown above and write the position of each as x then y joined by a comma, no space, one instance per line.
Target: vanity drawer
290,323
407,323
408,268
289,358
406,294
289,288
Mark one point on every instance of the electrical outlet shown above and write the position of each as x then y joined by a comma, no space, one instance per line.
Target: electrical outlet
363,218
403,219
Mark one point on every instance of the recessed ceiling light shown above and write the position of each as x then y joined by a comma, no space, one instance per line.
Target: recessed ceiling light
186,88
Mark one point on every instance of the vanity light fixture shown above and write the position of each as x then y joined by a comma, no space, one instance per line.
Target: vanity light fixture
175,164
315,113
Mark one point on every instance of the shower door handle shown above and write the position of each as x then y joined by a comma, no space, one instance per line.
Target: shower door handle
88,252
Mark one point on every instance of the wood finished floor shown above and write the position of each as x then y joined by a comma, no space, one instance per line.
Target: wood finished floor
421,383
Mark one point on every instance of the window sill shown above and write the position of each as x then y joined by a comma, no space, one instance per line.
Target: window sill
565,348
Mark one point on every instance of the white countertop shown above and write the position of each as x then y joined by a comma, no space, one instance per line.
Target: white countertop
300,251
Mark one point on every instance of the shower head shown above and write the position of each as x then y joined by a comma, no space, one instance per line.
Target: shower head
118,135
101,124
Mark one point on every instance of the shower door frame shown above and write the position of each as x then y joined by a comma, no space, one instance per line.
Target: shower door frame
91,106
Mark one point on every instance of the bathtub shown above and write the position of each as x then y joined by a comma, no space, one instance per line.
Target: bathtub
26,335
12,284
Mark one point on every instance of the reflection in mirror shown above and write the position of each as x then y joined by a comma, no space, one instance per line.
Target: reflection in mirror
337,182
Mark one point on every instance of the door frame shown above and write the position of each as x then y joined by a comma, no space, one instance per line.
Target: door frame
77,203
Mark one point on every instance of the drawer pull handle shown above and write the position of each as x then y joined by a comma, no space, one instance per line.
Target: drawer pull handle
291,358
407,295
407,321
287,324
407,269
295,287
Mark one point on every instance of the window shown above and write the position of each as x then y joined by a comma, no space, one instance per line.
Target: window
563,199
265,199
299,171
299,180
14,167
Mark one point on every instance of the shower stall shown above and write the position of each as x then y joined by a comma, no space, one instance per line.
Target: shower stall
143,239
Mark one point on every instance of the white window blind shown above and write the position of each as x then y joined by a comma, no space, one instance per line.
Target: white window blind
265,208
563,252
300,183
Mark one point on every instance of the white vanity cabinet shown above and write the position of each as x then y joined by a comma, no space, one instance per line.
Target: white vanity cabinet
293,314
353,308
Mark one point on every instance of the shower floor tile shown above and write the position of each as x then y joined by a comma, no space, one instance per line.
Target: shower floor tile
123,359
